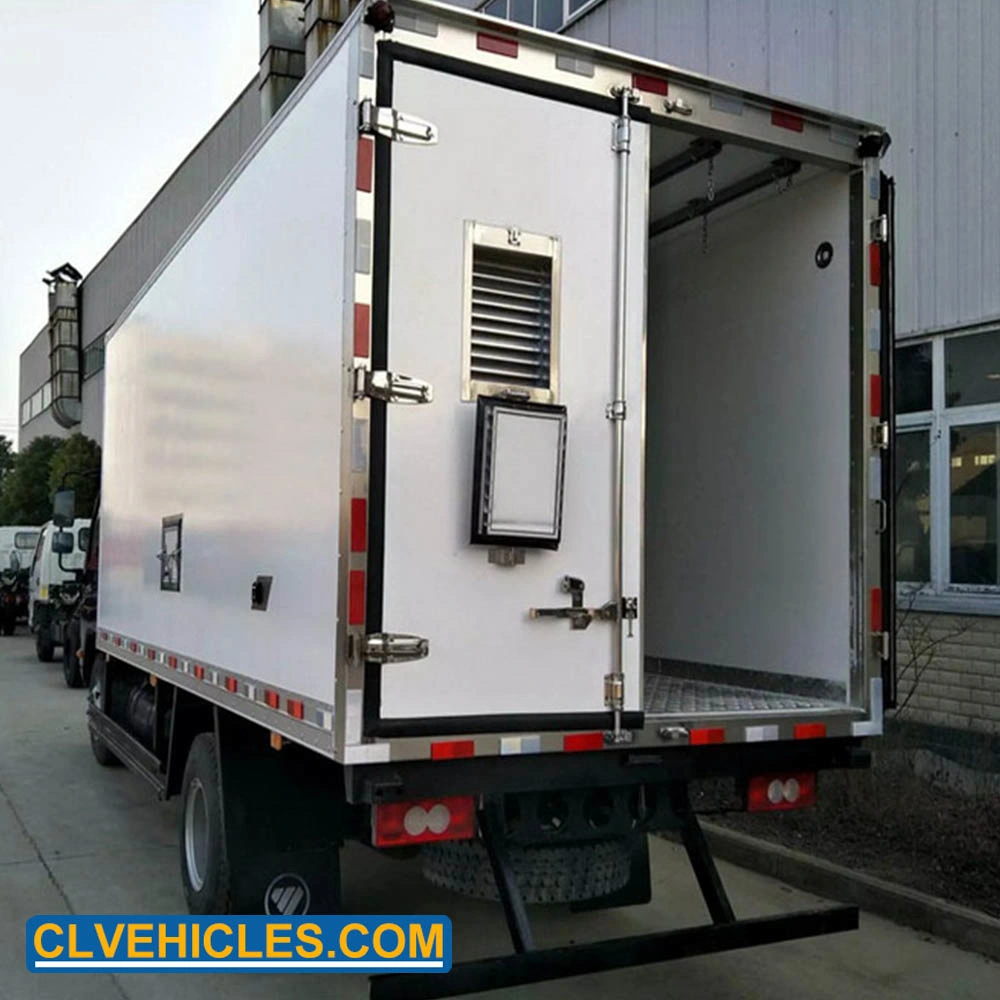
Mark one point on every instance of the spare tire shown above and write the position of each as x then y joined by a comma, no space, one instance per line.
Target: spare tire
545,873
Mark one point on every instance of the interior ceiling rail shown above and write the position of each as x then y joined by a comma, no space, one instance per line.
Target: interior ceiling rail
697,207
698,151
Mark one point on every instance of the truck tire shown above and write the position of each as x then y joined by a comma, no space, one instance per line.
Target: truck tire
72,673
102,753
545,873
44,647
9,624
204,868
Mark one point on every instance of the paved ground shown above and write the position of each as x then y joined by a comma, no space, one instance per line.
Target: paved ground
75,837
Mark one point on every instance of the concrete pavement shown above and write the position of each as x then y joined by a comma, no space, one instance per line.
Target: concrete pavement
78,838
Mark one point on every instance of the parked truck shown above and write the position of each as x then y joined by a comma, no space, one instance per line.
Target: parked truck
521,468
17,544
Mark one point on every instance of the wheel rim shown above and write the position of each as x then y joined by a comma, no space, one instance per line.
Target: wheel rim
196,835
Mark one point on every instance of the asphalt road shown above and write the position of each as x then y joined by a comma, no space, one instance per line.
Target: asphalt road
78,838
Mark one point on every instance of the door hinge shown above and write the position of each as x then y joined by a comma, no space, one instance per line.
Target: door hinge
614,691
392,124
882,648
390,647
880,435
880,229
391,387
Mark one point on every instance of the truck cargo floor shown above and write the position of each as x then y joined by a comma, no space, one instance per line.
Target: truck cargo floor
666,695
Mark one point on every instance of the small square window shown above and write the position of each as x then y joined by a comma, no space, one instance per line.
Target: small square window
170,553
519,473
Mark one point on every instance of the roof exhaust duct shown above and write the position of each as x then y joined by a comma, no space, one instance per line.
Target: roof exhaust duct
282,52
324,18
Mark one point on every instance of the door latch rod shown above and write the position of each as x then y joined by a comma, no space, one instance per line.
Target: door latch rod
579,616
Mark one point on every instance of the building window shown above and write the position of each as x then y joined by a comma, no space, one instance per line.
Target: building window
36,403
549,15
947,490
93,357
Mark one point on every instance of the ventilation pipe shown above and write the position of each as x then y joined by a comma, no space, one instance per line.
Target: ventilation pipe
282,52
323,19
64,343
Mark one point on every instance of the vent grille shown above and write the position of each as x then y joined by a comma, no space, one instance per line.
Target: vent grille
511,335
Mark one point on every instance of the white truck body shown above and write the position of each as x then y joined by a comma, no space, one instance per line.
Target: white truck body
242,461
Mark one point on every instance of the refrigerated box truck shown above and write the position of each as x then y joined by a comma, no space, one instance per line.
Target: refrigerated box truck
504,449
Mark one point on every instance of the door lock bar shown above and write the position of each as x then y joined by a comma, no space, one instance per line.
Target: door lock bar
579,616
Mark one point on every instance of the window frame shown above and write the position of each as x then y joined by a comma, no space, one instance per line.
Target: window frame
569,16
939,593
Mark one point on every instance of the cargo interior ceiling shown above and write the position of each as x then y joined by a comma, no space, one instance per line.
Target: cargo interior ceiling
747,502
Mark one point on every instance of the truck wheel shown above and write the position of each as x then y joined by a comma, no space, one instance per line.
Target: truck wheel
204,868
9,624
102,754
71,665
44,647
545,873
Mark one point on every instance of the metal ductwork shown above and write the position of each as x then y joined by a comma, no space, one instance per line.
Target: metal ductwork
282,52
323,19
64,343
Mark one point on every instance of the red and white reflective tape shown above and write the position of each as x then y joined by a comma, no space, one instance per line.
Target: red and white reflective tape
288,704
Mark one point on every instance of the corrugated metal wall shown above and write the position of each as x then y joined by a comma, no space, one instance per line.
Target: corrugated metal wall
929,70
117,277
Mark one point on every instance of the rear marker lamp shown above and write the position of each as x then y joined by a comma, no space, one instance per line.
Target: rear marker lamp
779,792
423,821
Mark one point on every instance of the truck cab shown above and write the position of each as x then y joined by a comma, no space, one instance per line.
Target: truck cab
54,582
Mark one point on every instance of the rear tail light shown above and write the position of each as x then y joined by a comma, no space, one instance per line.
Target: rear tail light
425,820
777,792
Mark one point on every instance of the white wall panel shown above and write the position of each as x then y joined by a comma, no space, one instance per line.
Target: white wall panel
927,69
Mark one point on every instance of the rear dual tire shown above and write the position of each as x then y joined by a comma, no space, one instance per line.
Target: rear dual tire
204,869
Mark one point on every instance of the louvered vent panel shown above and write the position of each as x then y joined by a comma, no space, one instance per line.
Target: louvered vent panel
511,317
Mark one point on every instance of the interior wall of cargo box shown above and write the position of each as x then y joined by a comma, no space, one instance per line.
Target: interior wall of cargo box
747,440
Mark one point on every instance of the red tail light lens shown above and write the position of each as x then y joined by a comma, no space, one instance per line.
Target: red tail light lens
423,821
778,792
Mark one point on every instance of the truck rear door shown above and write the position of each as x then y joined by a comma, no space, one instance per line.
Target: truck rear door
496,260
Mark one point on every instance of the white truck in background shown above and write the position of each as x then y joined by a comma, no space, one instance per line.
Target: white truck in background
527,465
17,546
53,583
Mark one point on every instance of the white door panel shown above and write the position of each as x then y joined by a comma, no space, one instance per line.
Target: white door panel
505,159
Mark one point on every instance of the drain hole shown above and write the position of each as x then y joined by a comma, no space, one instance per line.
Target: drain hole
598,808
553,811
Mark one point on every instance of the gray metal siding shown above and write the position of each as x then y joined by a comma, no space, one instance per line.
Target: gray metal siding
929,70
114,281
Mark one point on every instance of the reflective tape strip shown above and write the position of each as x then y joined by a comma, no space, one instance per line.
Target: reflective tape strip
497,45
761,734
650,84
520,744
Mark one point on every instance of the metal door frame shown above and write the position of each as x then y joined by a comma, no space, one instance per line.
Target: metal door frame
388,53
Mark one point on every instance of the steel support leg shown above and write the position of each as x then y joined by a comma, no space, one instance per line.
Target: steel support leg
700,856
491,823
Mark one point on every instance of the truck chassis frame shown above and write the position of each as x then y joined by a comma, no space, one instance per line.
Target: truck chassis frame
265,834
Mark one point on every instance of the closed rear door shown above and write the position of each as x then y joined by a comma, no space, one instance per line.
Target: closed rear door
499,494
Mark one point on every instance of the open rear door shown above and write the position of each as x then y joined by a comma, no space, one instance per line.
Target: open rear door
492,526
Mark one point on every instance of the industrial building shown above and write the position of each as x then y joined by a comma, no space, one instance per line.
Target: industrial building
928,70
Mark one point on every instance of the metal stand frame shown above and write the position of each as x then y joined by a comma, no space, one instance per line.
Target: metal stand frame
530,965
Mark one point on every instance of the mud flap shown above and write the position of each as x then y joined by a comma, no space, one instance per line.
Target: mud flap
283,818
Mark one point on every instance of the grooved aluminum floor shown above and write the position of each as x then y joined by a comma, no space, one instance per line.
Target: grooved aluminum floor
664,695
